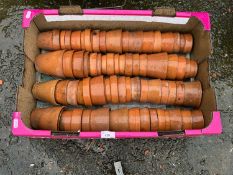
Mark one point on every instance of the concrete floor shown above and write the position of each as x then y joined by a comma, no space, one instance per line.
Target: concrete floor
203,155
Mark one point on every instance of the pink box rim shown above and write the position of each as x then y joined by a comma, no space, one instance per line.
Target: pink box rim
29,14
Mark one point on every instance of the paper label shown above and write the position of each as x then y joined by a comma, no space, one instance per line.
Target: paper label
15,123
107,134
28,15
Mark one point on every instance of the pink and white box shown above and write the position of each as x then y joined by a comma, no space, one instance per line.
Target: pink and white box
132,19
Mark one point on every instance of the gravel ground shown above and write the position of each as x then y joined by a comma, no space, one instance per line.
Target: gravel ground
203,155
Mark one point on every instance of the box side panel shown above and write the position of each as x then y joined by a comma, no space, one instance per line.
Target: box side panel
43,25
203,74
30,36
29,74
208,105
25,100
25,104
201,44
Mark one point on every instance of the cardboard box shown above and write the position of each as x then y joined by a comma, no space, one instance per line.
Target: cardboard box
35,21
